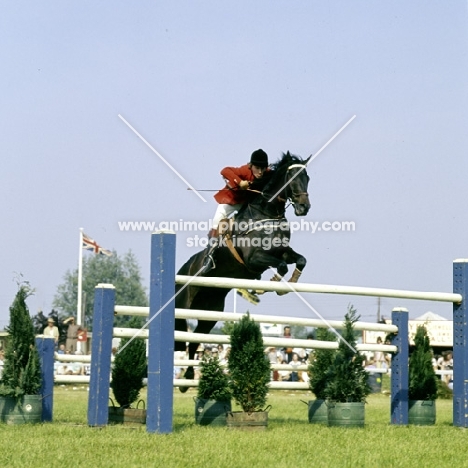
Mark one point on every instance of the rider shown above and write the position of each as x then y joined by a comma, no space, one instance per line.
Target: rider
234,195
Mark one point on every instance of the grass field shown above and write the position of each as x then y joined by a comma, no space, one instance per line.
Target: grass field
290,441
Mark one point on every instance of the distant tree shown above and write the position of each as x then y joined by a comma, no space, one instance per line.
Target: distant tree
217,330
227,327
299,332
40,322
122,272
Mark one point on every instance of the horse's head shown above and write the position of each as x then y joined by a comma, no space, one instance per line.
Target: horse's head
292,180
296,191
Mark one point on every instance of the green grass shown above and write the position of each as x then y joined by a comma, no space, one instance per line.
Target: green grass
289,440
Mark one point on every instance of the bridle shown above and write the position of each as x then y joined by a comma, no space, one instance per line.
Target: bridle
293,195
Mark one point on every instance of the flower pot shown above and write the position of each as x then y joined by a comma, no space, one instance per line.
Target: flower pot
127,416
346,414
211,412
256,421
318,412
422,412
27,409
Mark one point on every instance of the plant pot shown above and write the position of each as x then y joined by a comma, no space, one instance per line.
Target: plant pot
256,421
127,416
211,412
27,409
422,412
346,414
318,412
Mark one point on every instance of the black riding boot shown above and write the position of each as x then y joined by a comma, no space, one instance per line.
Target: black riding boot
208,261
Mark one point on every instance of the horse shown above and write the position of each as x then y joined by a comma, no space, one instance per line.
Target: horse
259,240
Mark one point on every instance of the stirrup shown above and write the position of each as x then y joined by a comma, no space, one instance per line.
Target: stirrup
208,264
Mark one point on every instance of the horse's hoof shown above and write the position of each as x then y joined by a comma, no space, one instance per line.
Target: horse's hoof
259,291
276,277
281,293
248,296
183,389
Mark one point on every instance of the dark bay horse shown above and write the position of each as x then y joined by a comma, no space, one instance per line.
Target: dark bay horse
260,235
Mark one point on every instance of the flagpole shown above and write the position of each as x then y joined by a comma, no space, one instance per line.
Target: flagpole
79,309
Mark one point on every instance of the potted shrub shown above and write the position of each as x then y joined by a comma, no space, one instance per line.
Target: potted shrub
422,389
347,386
128,371
21,379
213,399
249,376
320,362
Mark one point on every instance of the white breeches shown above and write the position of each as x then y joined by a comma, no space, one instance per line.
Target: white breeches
224,211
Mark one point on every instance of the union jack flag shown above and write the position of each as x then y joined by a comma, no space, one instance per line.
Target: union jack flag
90,244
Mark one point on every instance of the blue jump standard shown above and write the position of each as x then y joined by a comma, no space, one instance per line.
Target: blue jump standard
161,334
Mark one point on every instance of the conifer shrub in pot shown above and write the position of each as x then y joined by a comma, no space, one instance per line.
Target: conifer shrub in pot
320,362
213,399
347,387
128,371
249,376
21,378
422,389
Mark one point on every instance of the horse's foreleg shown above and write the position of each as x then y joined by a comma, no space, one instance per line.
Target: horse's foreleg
290,256
261,260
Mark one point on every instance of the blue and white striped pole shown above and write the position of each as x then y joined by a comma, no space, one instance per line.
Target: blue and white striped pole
101,350
460,344
161,333
400,375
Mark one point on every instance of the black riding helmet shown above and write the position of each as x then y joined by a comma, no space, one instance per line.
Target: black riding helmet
259,158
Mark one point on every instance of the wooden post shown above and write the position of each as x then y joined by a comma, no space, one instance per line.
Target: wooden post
400,374
460,344
161,333
46,347
99,381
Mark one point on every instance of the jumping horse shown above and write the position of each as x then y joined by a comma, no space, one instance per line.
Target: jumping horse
259,240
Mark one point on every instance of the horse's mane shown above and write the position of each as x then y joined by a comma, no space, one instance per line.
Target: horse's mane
279,168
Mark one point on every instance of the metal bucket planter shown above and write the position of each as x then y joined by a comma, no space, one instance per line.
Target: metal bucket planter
127,416
318,411
27,409
256,421
422,412
346,414
211,412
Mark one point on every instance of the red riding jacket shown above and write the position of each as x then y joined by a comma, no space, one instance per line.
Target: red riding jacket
232,194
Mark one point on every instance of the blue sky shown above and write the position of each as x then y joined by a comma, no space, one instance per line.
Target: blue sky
208,82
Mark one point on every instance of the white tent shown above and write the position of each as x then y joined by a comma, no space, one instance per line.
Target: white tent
429,317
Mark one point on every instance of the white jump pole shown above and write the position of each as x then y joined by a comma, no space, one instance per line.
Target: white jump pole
214,282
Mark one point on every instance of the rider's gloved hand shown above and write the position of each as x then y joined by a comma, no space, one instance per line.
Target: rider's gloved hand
244,184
